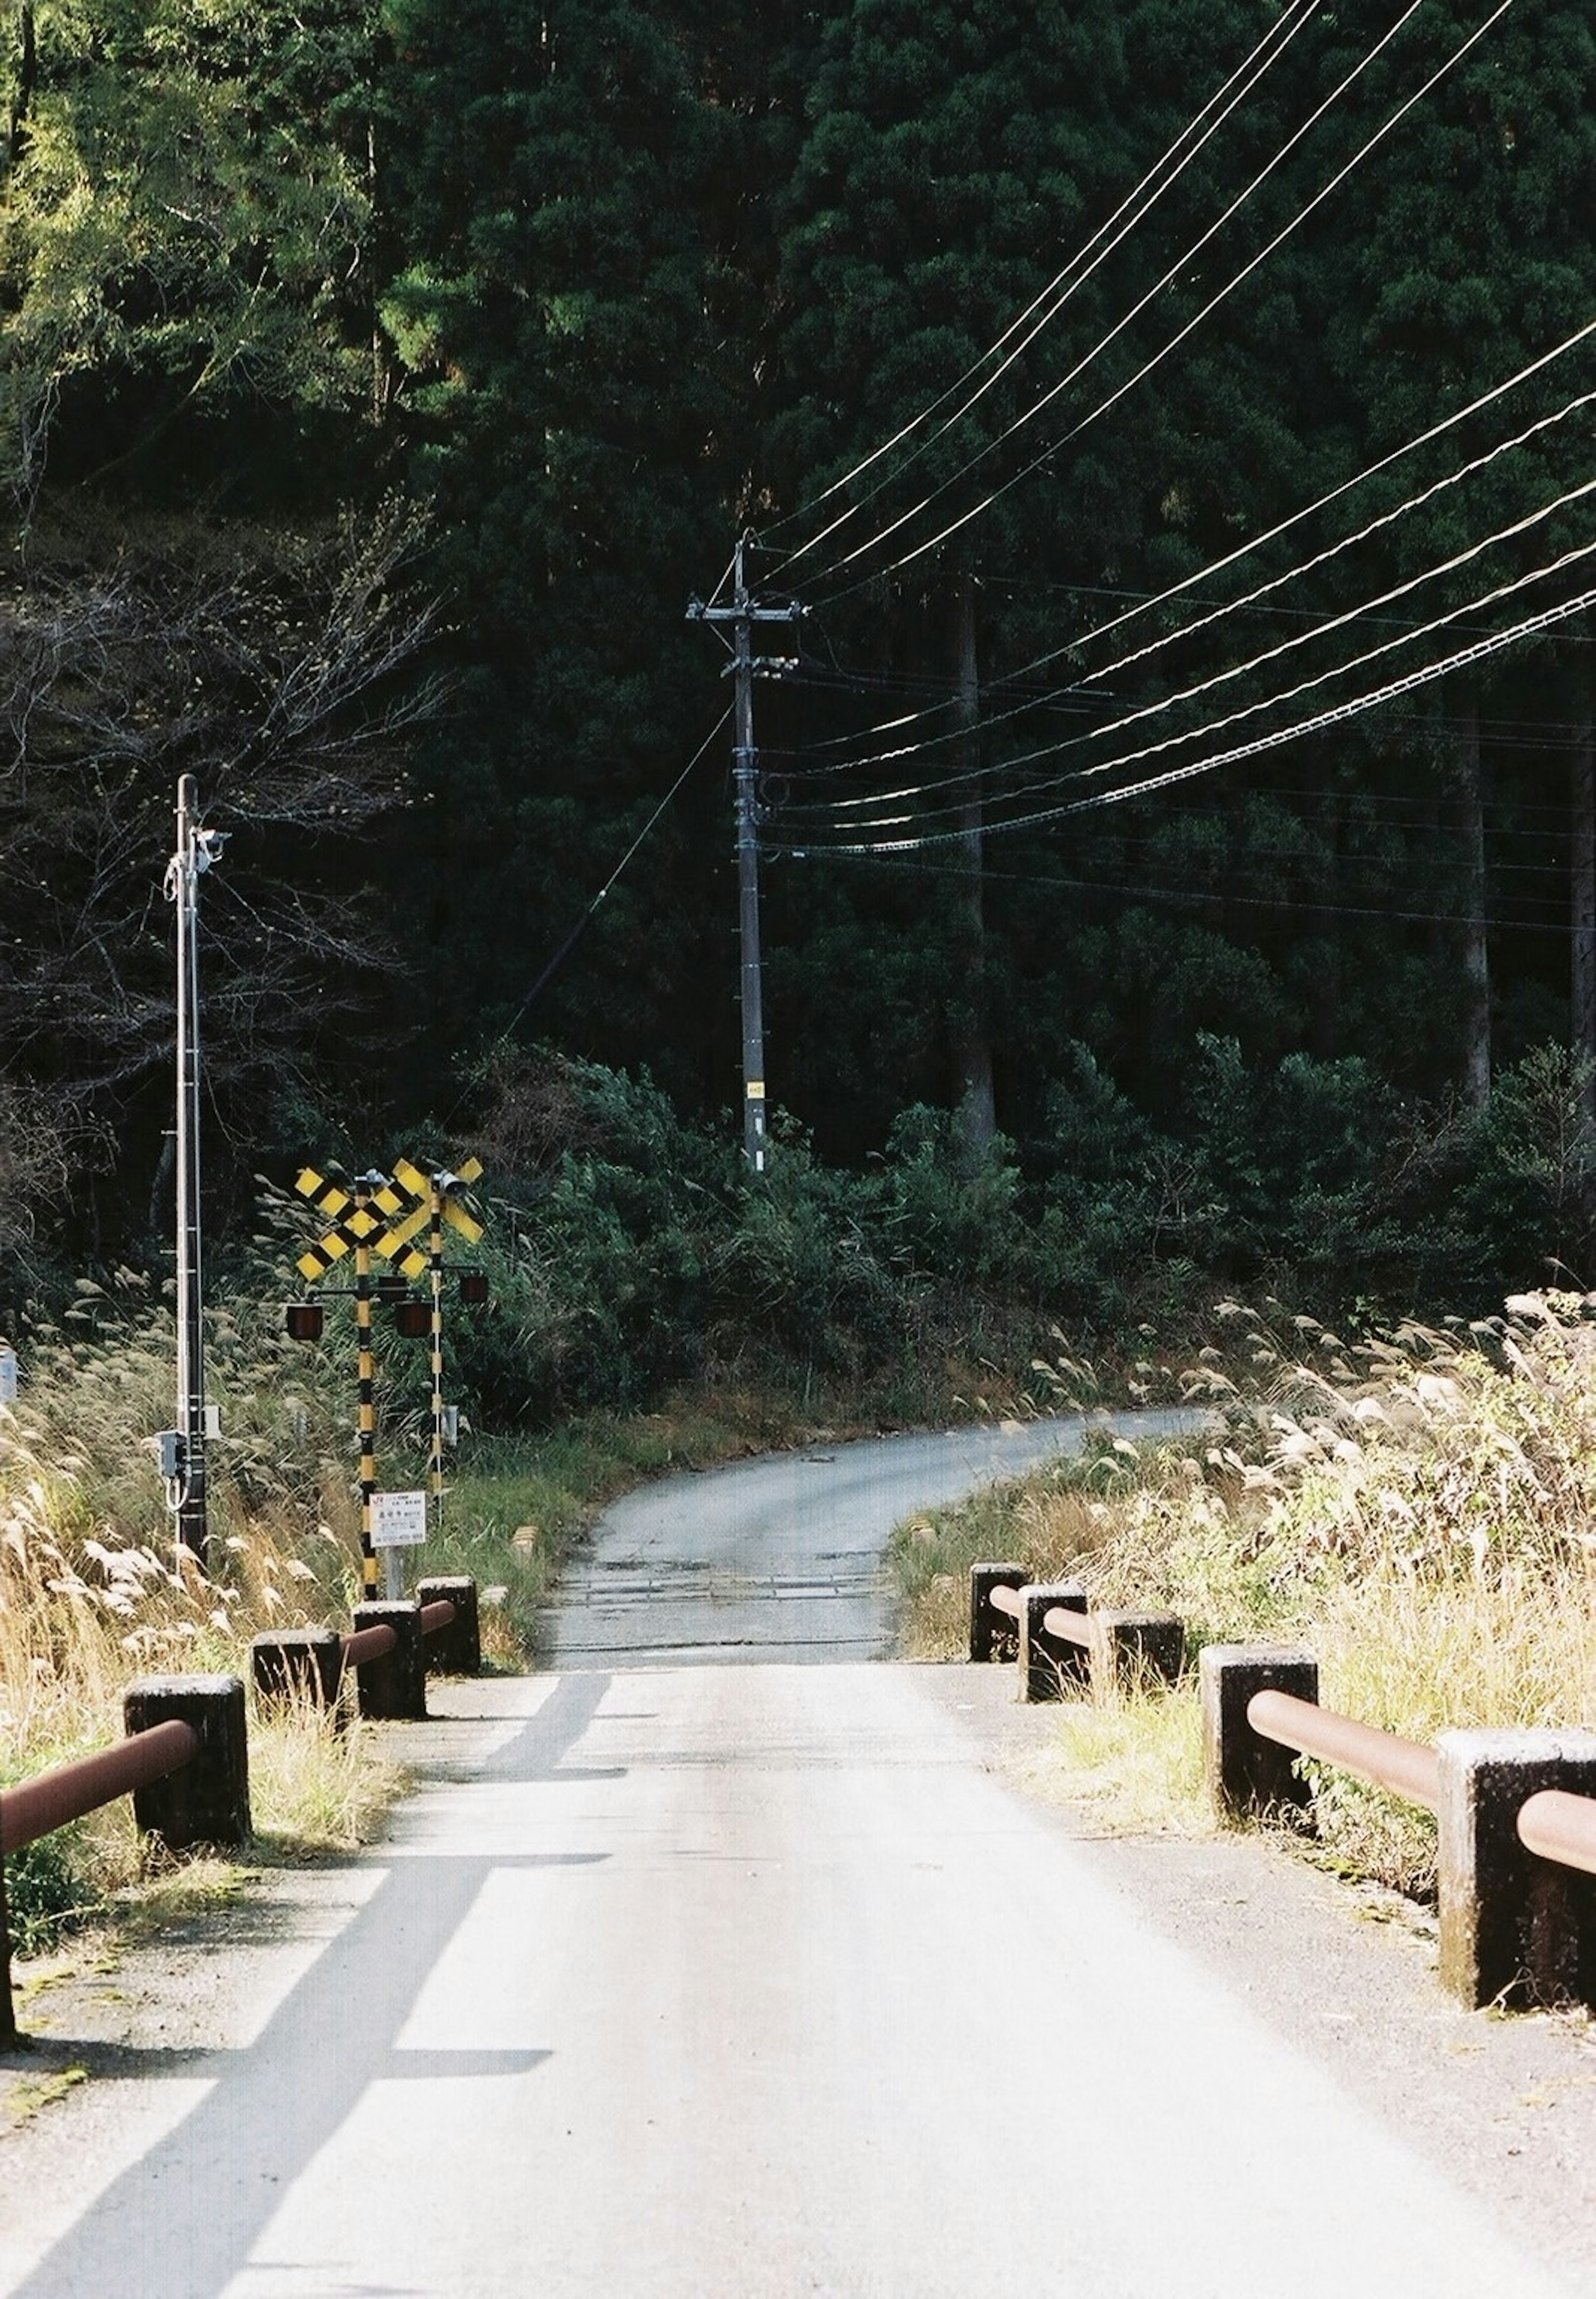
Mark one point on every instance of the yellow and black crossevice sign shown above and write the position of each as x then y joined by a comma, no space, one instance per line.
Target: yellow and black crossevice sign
421,1186
354,1223
386,1219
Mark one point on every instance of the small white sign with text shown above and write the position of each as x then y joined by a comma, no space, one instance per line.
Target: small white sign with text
398,1520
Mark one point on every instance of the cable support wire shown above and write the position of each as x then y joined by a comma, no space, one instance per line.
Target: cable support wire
1240,670
1180,894
1349,848
1145,603
1478,651
1356,615
575,933
1064,285
946,534
1173,272
1250,851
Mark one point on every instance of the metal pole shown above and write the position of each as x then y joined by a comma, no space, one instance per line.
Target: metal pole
435,1259
195,852
368,1403
742,614
745,779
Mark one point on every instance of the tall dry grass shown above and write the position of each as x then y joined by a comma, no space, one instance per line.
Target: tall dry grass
95,1592
1418,1508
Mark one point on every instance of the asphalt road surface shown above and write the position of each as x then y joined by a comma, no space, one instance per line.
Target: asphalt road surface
780,1558
717,1964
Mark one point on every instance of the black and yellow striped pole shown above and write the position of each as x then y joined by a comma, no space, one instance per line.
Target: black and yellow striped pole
435,1259
364,1188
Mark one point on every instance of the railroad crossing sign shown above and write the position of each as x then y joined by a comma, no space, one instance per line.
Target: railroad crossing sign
356,1222
419,1186
386,1219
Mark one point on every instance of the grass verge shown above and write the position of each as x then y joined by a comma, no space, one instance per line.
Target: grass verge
1416,1508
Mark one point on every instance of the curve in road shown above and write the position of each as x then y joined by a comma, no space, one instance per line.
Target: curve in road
779,1559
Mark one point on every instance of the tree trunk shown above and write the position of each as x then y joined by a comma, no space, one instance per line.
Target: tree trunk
975,1109
1324,983
1477,962
1582,1032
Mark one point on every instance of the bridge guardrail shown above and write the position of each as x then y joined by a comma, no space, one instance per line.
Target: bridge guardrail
1515,1809
185,1756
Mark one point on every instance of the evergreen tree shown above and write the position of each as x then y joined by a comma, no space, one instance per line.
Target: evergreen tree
550,177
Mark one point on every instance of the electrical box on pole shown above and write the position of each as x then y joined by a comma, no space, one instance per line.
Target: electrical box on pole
743,613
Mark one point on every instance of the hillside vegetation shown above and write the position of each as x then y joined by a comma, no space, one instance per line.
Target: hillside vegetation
379,382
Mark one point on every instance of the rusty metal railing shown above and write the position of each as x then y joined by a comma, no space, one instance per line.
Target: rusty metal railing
1065,1645
1561,1827
378,1642
1516,1809
71,1791
1402,1767
368,1644
1075,1627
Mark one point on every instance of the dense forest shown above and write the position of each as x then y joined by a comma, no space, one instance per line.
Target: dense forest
1177,799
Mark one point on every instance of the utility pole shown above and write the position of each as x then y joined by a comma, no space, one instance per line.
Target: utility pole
743,613
366,1186
198,849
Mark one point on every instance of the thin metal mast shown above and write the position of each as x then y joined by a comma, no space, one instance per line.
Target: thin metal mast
197,851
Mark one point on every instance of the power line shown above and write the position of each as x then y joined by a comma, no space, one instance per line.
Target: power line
1157,359
1187,329
1271,654
1062,287
1314,907
1145,603
1464,658
575,932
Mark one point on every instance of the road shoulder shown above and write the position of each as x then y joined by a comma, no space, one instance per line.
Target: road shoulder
1505,2103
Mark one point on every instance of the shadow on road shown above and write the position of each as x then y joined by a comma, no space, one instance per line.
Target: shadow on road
181,2221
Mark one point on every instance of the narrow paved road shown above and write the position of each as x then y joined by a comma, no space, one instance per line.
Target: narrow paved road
744,1981
780,1558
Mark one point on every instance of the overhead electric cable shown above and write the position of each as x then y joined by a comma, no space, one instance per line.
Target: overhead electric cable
575,932
1478,651
1145,603
1290,694
1052,298
1361,613
1183,894
955,526
1269,655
